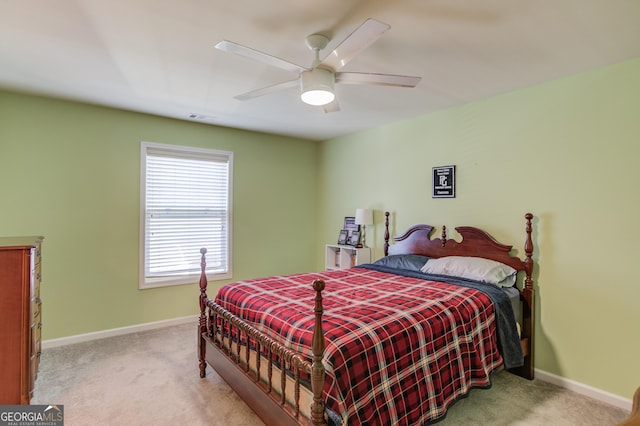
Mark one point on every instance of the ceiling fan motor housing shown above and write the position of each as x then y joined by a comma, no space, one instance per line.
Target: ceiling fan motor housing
317,86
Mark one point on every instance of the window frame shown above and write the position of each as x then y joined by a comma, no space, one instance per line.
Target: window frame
145,282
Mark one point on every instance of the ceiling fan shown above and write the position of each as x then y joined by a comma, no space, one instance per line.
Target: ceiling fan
317,82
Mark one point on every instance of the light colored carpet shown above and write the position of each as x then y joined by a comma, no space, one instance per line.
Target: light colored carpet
152,378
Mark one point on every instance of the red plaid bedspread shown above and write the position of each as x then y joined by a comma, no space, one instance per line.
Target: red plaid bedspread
399,350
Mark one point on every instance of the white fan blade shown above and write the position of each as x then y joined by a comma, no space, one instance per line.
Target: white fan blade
356,42
266,90
333,106
377,79
256,55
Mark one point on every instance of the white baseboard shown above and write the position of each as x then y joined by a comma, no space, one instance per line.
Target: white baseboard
62,341
582,389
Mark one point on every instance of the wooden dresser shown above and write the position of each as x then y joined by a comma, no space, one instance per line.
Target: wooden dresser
20,317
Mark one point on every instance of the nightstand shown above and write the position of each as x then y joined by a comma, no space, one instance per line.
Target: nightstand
343,257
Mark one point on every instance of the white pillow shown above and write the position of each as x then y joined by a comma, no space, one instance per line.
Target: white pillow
473,268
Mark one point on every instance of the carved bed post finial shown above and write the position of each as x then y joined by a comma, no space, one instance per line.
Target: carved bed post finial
202,321
443,237
317,367
386,233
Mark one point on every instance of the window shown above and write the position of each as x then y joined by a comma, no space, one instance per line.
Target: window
185,205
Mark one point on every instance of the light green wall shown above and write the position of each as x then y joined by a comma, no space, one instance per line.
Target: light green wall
71,172
566,151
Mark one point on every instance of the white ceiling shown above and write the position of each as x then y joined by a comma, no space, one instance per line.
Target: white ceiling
158,56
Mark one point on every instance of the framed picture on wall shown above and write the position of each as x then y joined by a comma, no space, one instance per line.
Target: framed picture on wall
444,182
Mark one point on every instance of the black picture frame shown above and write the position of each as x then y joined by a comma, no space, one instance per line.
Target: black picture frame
444,182
350,226
354,238
343,237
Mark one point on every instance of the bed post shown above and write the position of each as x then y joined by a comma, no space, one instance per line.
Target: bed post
317,367
202,322
386,233
527,295
528,292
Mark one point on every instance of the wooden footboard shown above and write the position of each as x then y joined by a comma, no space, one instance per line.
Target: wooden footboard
233,348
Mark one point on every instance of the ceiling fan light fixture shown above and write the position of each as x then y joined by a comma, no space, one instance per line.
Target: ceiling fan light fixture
317,87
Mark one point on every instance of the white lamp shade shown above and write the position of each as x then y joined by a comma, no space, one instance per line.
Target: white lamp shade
317,87
364,217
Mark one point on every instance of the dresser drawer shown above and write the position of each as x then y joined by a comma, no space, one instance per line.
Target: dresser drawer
37,339
36,331
36,311
36,303
36,342
36,276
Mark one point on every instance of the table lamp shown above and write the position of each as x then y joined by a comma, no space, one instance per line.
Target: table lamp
364,217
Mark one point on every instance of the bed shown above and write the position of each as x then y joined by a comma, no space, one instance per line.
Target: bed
397,341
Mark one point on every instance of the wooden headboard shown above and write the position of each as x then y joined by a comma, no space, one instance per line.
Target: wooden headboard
475,242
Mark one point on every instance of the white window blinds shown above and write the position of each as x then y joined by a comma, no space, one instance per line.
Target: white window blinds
186,206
